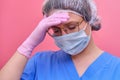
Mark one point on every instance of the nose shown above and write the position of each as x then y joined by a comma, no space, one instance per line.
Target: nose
63,32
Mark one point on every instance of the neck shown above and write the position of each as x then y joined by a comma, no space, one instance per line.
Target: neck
89,54
83,60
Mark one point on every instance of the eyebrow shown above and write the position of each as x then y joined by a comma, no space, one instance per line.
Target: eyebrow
71,22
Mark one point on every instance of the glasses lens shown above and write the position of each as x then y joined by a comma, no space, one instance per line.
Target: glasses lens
54,31
68,28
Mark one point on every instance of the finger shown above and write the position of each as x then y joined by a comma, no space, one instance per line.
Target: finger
53,23
61,19
60,15
44,16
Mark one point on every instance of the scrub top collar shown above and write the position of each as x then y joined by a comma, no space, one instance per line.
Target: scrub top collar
99,63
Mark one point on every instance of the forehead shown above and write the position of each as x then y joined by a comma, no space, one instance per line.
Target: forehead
73,17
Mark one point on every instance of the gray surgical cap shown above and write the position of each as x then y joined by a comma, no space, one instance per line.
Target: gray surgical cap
86,8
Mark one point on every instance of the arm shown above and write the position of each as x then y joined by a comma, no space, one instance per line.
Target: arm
15,66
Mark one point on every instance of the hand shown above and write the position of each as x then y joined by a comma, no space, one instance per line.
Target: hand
38,35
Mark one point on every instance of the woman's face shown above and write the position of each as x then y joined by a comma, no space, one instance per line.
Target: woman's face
74,24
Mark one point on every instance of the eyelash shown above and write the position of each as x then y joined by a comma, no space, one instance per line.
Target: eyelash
56,30
72,27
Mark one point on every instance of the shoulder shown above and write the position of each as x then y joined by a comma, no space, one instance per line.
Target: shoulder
48,57
48,54
115,68
113,64
114,60
40,63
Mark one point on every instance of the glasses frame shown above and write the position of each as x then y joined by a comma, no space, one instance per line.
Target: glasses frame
79,23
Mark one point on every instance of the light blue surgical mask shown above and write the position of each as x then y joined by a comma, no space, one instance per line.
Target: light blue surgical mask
73,43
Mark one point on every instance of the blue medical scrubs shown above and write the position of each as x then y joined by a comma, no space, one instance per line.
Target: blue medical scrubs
58,65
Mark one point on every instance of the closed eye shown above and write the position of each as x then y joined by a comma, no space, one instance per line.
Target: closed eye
71,27
56,30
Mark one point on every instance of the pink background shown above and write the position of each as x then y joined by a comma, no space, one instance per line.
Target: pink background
19,17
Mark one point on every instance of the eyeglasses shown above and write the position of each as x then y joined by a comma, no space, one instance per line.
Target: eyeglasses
67,28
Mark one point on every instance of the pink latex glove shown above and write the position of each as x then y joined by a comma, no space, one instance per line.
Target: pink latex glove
38,35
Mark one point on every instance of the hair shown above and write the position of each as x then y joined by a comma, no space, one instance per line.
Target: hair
86,8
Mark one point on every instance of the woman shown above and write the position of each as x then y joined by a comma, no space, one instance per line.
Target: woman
70,23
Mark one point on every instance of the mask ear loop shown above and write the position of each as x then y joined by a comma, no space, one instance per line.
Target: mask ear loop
86,27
